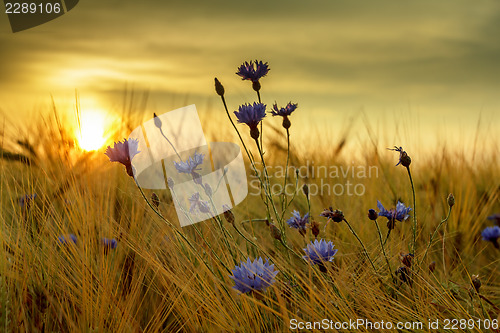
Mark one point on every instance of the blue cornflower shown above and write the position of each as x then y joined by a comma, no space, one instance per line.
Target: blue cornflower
495,218
124,152
253,71
108,244
286,111
25,201
253,276
491,234
298,222
319,252
400,213
404,159
191,163
196,203
251,115
65,240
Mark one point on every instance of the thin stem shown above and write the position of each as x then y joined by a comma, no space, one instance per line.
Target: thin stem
286,168
435,232
383,251
175,150
178,232
360,242
414,213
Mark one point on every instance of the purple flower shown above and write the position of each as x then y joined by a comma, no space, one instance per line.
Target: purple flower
108,244
25,201
250,114
286,111
319,252
253,276
191,163
253,71
196,203
298,222
495,218
66,240
400,213
124,152
491,234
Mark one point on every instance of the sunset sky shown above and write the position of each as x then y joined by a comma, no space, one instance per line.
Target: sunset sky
432,63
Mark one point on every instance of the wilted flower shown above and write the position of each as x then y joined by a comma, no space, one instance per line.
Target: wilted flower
404,159
275,232
476,282
404,274
432,266
228,214
495,218
298,222
196,203
400,213
253,276
406,259
315,228
335,215
155,200
319,252
67,239
491,234
251,115
253,71
124,152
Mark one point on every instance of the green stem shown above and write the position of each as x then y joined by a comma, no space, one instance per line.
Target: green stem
383,251
414,213
360,242
435,232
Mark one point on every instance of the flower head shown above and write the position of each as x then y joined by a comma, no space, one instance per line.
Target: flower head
400,213
251,115
404,159
26,200
319,252
109,244
372,214
298,222
196,203
491,234
253,71
124,152
67,239
253,276
335,215
286,111
191,163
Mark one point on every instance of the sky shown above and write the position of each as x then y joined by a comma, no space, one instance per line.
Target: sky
429,65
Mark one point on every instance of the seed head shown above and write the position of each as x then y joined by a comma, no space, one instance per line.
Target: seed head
451,200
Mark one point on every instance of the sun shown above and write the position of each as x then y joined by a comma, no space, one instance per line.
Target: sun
90,133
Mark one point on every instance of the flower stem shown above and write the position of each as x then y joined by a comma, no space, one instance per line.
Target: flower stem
414,213
383,251
360,242
434,234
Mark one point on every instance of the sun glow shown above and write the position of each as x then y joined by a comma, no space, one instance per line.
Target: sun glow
90,133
